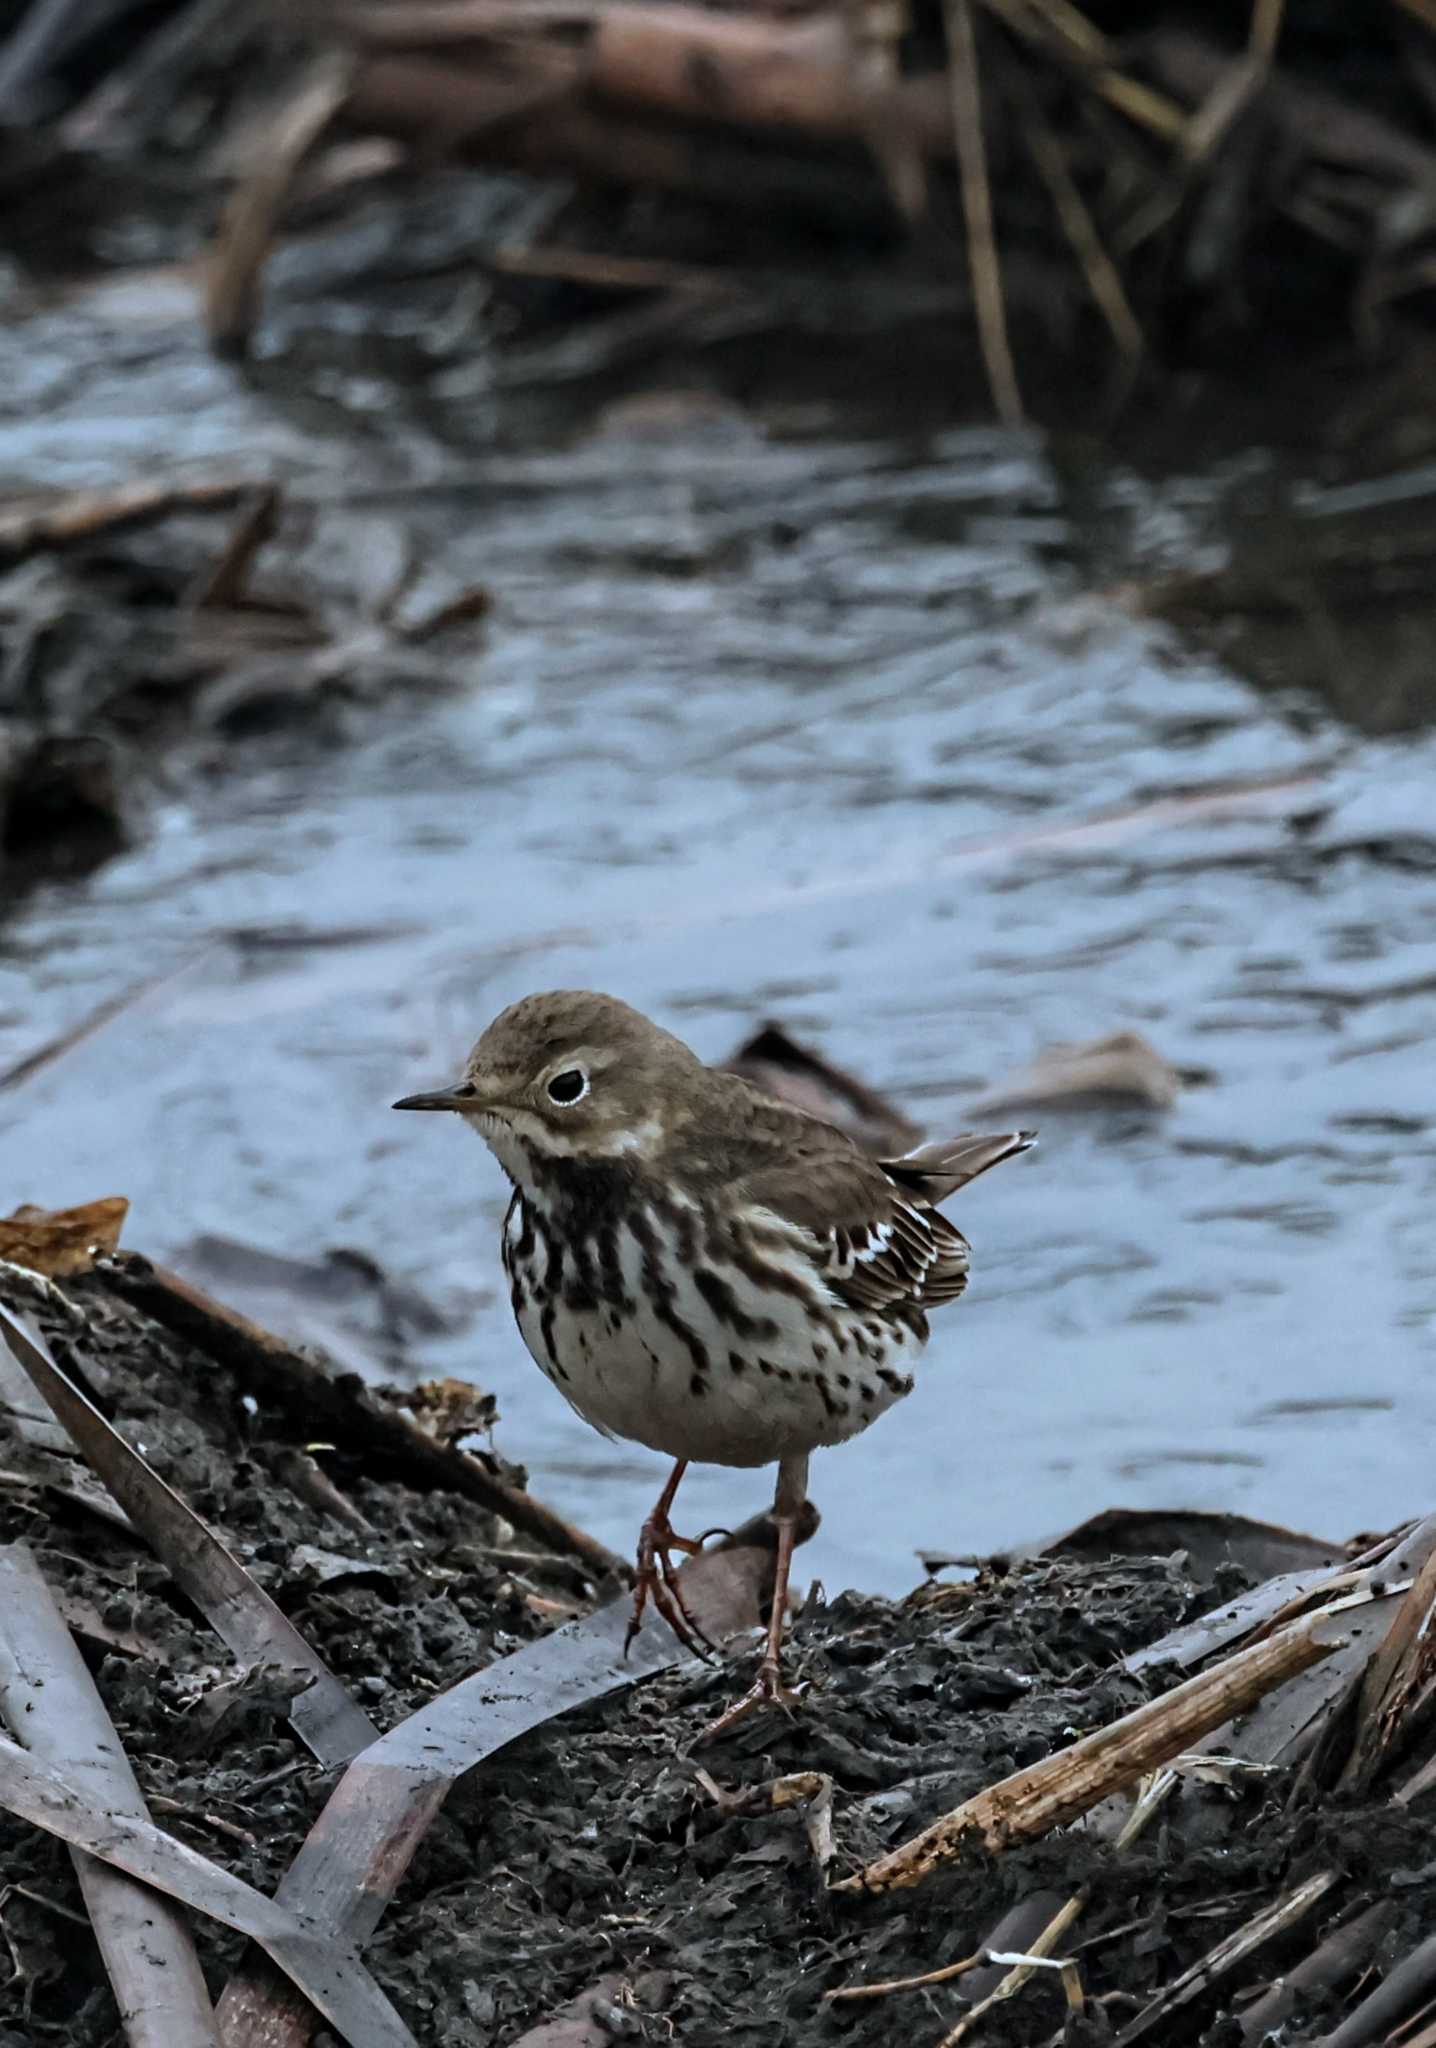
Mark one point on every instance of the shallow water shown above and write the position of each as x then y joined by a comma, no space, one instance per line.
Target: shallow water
770,726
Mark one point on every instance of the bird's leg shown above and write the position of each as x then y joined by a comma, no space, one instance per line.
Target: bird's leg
657,1578
791,1492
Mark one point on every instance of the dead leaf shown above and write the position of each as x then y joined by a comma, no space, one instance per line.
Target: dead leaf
1122,1067
448,1409
59,1243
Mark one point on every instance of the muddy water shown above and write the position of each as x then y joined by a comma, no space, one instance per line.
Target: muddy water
772,720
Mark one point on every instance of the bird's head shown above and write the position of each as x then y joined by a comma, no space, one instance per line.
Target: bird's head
567,1076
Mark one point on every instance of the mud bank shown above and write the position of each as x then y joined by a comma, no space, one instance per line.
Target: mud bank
602,1868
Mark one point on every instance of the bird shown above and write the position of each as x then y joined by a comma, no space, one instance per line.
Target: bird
702,1269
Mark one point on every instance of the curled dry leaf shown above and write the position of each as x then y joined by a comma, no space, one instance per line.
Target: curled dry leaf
448,1409
1121,1067
62,1242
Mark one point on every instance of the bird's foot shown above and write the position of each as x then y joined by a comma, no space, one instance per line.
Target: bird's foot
766,1690
657,1580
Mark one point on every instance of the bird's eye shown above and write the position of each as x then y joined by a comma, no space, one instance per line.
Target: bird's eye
568,1086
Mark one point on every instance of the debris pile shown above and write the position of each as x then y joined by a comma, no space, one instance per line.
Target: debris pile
344,1724
1270,167
1258,164
157,616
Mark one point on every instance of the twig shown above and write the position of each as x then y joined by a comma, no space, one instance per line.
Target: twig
56,521
977,210
1231,1950
24,1891
224,583
1153,1797
1104,280
1023,1967
104,1013
1047,1794
237,257
942,1976
1065,32
813,1790
1265,30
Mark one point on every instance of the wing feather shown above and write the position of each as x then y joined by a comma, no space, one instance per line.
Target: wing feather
896,1256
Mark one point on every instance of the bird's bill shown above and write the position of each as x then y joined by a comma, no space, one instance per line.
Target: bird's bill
437,1098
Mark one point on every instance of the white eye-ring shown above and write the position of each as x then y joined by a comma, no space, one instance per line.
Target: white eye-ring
568,1087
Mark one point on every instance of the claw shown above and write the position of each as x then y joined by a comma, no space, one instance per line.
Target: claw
766,1690
658,1580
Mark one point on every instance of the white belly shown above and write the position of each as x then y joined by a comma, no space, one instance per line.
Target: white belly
668,1370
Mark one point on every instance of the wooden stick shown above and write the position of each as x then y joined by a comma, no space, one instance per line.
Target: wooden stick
1017,1976
1232,1949
237,256
54,520
1104,280
411,97
977,209
1154,1797
1048,1794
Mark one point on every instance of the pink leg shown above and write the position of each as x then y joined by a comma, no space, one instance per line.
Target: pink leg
768,1687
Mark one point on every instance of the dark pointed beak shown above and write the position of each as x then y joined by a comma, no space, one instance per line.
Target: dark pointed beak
438,1098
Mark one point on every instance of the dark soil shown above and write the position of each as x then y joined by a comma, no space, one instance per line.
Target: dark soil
590,1851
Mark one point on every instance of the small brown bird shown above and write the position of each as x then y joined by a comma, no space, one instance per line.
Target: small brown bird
699,1267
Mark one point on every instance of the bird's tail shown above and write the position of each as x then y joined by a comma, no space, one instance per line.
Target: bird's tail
939,1169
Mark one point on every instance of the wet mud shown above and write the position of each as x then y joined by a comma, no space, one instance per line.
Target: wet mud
594,1860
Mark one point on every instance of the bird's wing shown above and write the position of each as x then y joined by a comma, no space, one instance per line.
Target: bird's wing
878,1247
